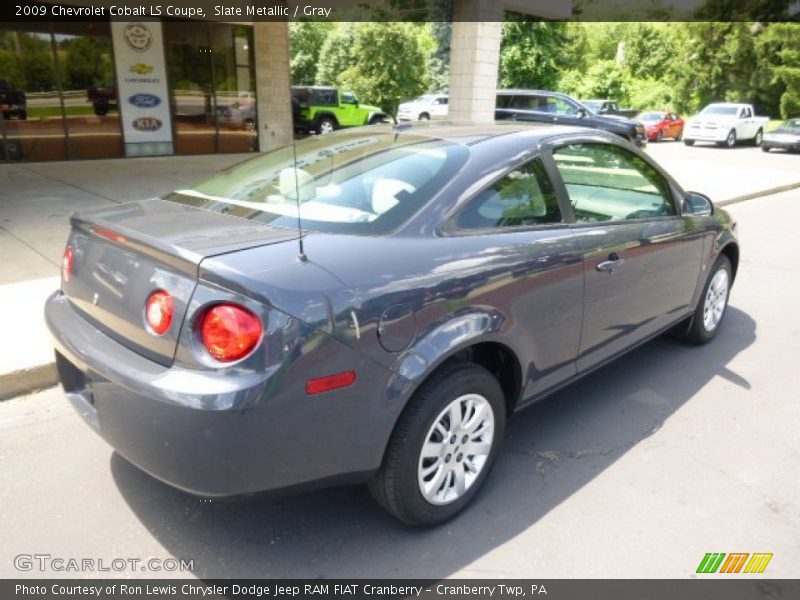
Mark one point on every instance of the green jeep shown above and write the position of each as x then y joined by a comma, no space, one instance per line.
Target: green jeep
324,109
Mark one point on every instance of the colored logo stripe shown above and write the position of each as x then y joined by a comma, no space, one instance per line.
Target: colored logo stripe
712,562
758,563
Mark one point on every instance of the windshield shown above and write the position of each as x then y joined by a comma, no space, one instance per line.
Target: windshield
651,117
792,125
593,105
368,182
718,109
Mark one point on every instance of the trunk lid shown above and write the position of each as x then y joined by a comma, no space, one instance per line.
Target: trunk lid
123,254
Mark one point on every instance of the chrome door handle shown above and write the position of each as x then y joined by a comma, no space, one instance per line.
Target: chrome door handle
612,264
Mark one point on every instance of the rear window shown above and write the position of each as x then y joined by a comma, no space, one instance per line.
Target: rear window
353,182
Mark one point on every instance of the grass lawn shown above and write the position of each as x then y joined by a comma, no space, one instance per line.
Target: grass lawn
46,112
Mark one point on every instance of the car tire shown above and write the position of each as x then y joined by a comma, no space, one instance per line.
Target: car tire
424,117
713,304
426,426
660,135
325,125
765,148
679,136
688,142
730,141
759,138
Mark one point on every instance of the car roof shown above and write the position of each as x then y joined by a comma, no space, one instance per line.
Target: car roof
522,92
471,133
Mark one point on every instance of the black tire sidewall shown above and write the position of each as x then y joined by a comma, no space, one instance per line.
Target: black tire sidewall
432,400
698,332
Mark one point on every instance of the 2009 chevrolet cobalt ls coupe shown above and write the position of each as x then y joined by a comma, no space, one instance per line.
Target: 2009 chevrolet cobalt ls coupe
446,276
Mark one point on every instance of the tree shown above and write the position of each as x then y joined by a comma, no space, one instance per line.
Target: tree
305,43
336,54
390,65
86,64
529,54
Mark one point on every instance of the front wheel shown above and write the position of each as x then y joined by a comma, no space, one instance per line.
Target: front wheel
730,141
765,148
424,117
710,310
443,446
660,135
688,142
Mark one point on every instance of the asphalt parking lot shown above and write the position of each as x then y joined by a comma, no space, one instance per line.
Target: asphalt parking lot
638,470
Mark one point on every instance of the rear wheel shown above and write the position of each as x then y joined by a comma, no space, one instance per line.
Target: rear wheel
713,303
688,142
765,148
326,125
759,137
443,446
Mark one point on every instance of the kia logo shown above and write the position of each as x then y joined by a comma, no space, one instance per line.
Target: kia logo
146,124
144,100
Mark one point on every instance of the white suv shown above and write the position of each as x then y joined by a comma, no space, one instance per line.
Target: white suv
424,108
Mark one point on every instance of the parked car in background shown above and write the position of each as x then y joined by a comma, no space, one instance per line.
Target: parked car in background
445,278
103,100
241,111
785,137
554,107
322,109
659,125
608,107
725,124
424,108
13,103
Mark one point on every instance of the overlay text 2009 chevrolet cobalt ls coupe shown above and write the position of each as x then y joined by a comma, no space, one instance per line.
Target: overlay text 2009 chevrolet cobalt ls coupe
446,276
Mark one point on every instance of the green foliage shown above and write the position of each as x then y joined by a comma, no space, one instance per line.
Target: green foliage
87,64
305,41
529,55
390,65
337,54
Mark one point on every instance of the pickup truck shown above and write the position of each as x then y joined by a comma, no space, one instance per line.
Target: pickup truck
13,103
725,124
609,107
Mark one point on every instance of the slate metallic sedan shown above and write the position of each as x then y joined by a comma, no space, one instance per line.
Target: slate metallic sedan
445,277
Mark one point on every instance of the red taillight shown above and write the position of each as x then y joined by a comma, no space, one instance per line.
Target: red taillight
67,263
158,311
230,332
330,382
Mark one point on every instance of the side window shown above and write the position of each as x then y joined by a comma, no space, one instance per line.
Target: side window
561,106
444,100
523,197
608,183
503,101
348,98
527,102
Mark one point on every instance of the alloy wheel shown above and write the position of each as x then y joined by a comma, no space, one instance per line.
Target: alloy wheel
715,301
456,449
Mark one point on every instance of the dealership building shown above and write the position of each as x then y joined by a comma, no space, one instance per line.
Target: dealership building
152,87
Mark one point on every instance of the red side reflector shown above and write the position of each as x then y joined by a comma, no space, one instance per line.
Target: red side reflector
330,382
68,263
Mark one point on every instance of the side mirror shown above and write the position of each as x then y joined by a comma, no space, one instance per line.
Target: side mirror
581,113
695,203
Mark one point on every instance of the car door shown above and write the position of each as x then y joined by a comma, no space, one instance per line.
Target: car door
531,268
348,113
641,258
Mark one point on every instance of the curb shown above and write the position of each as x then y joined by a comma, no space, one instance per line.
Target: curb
769,192
26,381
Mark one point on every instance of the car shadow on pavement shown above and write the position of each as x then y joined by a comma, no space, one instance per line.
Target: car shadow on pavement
552,450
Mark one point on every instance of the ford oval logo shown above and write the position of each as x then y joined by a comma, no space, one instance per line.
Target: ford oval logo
146,124
144,100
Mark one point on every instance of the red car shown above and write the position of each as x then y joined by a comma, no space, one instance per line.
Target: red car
660,125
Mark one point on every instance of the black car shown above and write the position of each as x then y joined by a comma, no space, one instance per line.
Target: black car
445,278
554,107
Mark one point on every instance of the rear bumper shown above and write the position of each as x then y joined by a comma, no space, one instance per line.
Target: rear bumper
228,435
